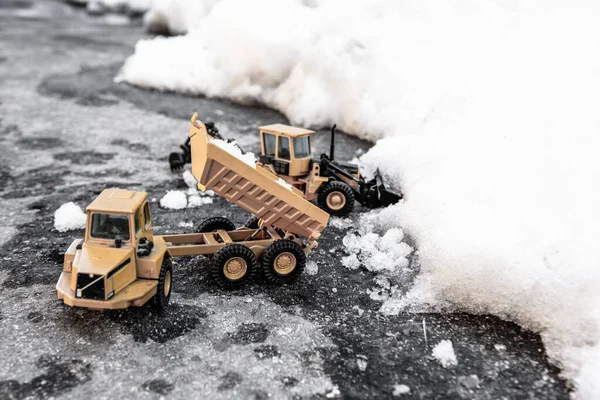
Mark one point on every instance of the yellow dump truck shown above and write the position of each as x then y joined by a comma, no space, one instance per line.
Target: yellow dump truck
121,263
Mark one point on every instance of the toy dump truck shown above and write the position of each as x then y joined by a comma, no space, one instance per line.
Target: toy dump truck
286,153
121,263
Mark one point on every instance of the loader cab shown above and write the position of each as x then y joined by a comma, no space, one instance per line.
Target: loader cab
286,148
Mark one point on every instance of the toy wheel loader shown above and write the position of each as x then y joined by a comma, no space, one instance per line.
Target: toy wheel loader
286,153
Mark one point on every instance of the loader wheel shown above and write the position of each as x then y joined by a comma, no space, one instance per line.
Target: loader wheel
337,198
283,261
215,223
252,223
165,279
233,265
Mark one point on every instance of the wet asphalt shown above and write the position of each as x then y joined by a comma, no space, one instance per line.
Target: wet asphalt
67,131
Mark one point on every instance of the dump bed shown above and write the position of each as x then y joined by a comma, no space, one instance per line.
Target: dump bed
251,187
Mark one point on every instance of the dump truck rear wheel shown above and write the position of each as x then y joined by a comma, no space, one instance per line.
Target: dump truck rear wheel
165,284
252,223
337,198
233,265
283,261
215,223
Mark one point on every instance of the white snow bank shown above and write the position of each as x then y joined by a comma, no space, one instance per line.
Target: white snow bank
69,216
489,110
121,6
444,353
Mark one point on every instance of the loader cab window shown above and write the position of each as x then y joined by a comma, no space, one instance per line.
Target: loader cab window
109,226
284,148
302,147
147,216
269,143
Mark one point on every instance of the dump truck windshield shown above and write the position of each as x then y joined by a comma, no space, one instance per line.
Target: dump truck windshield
109,226
302,147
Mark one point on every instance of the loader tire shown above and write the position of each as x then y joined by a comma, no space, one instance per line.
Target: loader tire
233,266
283,261
252,223
337,198
165,284
215,223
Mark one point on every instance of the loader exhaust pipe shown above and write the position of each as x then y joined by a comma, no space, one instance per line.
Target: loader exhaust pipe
332,145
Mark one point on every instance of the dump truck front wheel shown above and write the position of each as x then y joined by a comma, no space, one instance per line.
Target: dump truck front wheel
215,223
163,290
283,261
337,198
233,265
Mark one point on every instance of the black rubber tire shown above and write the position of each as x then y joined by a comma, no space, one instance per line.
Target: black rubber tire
268,261
342,188
252,223
160,299
217,265
214,223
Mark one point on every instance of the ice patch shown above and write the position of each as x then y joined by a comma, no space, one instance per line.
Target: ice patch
69,216
312,268
444,353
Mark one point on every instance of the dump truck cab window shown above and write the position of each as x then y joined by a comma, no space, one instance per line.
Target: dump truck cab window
302,147
138,222
269,143
284,148
147,217
109,226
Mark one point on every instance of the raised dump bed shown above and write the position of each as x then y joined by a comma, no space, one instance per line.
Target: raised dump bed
252,187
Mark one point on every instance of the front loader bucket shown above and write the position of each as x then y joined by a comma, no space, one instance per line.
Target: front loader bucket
384,197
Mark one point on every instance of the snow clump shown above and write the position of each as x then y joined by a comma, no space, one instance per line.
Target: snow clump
174,200
444,353
69,216
233,149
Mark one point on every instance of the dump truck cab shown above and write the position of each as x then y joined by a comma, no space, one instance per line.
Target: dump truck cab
287,149
118,263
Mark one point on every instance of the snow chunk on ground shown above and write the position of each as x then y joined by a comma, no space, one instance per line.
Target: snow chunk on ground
444,353
312,268
189,179
69,216
198,201
400,390
233,149
174,200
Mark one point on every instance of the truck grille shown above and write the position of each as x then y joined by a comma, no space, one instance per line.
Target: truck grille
95,291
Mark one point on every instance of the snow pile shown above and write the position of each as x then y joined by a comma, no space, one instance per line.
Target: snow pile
444,353
233,149
69,216
488,112
174,200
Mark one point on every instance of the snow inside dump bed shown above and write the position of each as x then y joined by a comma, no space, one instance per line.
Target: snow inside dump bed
488,112
256,190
